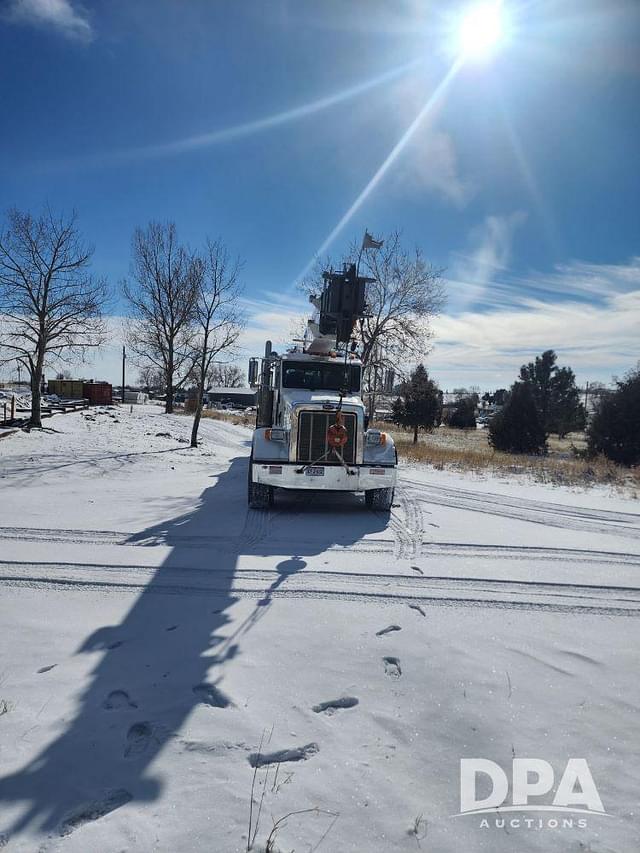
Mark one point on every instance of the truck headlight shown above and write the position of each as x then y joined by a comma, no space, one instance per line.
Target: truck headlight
374,436
276,435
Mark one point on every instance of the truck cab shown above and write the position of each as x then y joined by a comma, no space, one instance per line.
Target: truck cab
311,431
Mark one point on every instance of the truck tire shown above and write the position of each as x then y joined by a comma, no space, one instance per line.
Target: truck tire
259,496
379,499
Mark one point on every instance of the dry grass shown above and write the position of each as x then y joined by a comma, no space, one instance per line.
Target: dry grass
248,420
469,450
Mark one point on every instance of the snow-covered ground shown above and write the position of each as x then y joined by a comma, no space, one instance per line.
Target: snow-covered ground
154,632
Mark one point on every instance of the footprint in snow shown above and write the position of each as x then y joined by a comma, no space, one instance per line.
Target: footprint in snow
46,668
301,753
94,810
418,608
392,667
388,630
118,699
333,705
138,738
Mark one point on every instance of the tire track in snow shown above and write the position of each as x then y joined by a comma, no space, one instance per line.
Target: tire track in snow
531,553
255,529
256,526
338,586
408,527
364,546
84,537
536,512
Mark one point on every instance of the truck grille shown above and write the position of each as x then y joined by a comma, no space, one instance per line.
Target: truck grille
312,437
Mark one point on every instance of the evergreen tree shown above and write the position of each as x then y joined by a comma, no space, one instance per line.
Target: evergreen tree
615,428
518,427
566,412
555,394
419,405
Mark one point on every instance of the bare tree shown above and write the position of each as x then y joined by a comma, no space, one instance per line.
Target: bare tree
218,317
51,306
151,378
227,376
402,301
162,297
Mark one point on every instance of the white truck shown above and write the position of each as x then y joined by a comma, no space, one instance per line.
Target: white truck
311,428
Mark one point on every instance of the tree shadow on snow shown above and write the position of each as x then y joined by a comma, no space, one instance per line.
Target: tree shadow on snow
171,651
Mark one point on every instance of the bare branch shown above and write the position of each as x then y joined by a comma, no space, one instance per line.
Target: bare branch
49,301
218,316
162,296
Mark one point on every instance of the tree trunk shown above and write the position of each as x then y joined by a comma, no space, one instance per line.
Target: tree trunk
168,406
415,434
35,422
196,422
201,387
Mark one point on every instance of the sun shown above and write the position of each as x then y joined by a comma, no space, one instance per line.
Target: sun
481,30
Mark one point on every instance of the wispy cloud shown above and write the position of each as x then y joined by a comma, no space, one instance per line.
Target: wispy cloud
598,337
430,164
487,255
576,281
65,17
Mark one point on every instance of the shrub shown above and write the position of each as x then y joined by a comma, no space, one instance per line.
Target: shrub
615,427
518,428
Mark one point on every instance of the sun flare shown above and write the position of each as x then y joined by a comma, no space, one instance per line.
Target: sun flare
481,30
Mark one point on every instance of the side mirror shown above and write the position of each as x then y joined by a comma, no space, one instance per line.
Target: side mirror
366,422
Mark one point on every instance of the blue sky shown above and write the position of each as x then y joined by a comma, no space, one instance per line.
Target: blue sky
263,122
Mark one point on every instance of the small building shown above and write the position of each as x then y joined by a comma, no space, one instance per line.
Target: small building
239,398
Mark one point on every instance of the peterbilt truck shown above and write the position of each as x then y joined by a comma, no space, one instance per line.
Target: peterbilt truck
311,431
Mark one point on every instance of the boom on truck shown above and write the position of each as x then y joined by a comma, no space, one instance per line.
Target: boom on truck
311,429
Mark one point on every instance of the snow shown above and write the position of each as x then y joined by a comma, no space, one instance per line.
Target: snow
155,631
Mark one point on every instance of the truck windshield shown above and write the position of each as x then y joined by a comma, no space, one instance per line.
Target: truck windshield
329,377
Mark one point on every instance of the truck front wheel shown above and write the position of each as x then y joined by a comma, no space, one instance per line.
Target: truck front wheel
379,499
259,496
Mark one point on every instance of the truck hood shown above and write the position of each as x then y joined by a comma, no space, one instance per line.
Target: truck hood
302,397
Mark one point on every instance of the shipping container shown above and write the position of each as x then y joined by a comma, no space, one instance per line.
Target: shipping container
67,389
98,393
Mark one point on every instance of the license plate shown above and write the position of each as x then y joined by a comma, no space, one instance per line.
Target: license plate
314,471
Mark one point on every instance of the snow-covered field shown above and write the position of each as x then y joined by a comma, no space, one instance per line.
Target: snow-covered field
154,632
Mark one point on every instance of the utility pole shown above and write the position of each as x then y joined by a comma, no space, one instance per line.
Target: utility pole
124,359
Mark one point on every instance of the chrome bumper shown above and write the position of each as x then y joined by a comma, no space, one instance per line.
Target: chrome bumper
334,478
